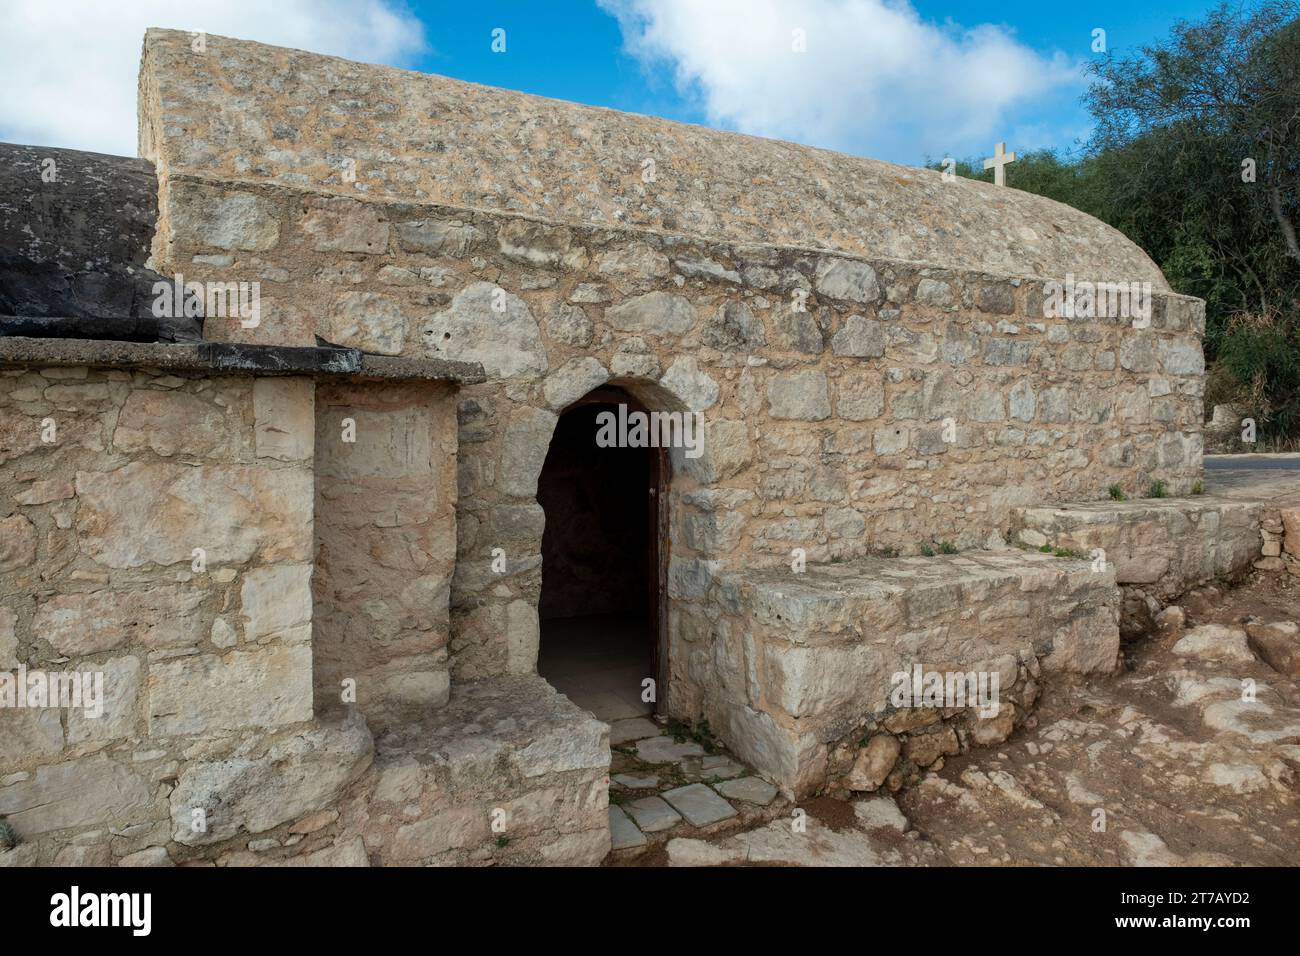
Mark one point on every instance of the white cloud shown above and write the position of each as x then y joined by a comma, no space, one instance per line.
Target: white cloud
876,79
71,65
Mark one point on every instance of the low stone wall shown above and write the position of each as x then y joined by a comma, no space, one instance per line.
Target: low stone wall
510,772
1159,548
794,671
158,536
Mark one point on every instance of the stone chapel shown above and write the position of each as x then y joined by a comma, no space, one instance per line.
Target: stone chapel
321,548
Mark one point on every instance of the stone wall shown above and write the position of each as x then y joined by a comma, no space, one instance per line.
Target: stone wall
385,545
794,671
824,427
157,531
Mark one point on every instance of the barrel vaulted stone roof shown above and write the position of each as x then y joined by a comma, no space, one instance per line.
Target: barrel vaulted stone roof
246,111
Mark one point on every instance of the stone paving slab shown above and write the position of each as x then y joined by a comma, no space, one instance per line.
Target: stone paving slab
713,766
749,789
666,750
652,814
623,833
630,781
699,805
632,728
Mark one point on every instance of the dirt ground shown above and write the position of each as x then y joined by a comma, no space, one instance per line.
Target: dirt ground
1190,755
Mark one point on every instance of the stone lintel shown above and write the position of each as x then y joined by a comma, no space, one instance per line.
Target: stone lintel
222,357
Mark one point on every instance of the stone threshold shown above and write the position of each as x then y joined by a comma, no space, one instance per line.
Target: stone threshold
232,358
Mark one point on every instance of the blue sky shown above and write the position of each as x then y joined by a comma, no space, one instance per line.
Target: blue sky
575,50
883,78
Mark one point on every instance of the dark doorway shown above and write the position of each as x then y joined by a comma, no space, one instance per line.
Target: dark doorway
601,563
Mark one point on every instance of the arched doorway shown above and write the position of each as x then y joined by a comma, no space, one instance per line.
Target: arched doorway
602,562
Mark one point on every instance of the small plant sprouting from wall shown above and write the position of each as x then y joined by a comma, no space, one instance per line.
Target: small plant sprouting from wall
1117,492
1198,488
1157,489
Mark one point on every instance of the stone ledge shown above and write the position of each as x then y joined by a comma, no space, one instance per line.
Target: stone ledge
799,665
1162,545
220,357
508,772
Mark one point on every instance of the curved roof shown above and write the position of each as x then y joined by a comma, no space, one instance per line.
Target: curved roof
244,110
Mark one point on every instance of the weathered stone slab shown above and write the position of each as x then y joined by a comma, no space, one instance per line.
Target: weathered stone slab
652,814
88,623
267,687
623,833
748,790
699,805
87,792
159,513
297,775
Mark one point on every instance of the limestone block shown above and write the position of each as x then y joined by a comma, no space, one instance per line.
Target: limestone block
299,774
733,328
526,442
934,292
120,713
346,225
438,237
654,313
367,321
1215,642
44,492
174,423
692,386
86,792
727,451
540,244
573,380
859,395
96,621
440,832
874,763
1278,644
802,396
276,599
29,732
805,681
284,418
235,220
158,513
860,338
266,687
17,543
569,325
636,259
523,634
846,279
8,640
489,325
1291,522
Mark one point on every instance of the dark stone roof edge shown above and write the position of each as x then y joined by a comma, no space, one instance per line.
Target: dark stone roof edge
232,358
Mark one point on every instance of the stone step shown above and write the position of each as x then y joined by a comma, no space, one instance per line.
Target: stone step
509,771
